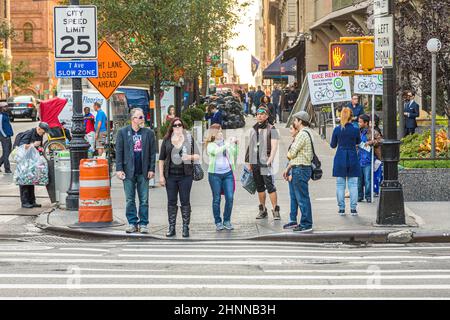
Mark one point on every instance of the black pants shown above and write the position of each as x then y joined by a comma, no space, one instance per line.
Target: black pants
6,147
179,185
409,131
27,195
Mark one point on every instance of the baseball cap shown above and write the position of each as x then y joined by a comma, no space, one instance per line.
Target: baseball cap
302,115
44,126
262,110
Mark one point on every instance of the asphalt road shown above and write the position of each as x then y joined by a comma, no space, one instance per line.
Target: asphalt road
52,267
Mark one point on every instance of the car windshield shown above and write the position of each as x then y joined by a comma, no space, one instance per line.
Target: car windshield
136,97
23,99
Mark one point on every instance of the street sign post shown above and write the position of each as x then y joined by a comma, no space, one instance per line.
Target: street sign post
75,32
112,70
76,69
384,42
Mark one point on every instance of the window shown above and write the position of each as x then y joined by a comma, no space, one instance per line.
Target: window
28,32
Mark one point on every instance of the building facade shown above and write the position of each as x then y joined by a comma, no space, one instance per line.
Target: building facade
33,43
5,52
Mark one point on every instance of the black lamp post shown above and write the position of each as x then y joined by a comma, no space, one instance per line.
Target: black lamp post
391,207
78,145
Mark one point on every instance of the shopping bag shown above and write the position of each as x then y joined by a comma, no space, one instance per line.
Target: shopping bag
248,183
31,168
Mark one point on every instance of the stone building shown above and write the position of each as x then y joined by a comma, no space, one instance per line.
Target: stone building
33,23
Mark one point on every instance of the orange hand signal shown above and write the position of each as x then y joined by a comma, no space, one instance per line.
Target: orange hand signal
337,56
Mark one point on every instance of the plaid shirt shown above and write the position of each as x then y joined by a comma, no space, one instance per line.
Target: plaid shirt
301,150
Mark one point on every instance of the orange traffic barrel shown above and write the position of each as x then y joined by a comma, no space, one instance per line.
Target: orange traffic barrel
95,191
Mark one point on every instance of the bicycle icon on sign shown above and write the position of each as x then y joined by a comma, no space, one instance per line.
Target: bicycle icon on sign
365,85
323,94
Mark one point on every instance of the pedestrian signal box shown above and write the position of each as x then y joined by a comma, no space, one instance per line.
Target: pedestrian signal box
217,72
351,55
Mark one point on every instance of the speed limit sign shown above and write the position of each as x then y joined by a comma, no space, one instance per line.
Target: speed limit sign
75,30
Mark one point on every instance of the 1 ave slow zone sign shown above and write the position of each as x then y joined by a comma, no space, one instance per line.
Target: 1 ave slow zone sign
75,32
112,70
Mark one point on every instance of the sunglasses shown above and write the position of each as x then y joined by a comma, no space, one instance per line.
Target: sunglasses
140,117
261,111
178,125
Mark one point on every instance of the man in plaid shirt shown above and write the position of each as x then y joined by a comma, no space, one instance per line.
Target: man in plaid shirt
300,156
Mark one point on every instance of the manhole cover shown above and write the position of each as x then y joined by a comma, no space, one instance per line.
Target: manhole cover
52,239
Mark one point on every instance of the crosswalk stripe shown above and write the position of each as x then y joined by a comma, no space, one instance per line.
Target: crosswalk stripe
223,277
358,271
261,250
225,286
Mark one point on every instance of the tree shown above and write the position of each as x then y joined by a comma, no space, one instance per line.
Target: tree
417,21
21,76
166,37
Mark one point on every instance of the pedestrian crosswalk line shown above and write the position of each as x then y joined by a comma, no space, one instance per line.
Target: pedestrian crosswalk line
224,286
222,277
357,271
49,254
219,298
232,250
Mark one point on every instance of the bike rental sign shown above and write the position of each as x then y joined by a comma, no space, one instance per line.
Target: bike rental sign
328,87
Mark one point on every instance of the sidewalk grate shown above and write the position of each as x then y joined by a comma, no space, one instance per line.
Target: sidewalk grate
52,239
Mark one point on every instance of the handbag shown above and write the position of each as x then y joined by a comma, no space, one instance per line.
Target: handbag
315,163
248,183
197,170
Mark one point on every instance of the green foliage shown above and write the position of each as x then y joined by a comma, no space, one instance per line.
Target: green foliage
163,129
425,164
21,75
3,65
6,31
187,119
203,107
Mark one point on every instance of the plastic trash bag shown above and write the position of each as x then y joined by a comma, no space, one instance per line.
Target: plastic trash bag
31,168
248,183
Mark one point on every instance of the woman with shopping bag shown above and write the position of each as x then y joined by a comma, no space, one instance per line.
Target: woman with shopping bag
32,138
222,157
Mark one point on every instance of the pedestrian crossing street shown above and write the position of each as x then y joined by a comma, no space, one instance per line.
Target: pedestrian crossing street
222,270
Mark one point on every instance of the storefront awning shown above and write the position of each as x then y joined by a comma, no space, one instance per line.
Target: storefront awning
296,51
278,69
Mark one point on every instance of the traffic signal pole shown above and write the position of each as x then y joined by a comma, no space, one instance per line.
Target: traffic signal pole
78,145
391,209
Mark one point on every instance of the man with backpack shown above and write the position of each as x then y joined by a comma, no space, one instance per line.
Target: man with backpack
6,132
300,156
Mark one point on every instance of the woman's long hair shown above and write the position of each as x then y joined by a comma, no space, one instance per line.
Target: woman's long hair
212,133
170,129
346,116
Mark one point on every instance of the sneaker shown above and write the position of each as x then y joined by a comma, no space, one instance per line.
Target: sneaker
341,212
219,226
302,230
143,229
8,171
354,212
290,225
276,213
131,228
369,200
262,212
227,225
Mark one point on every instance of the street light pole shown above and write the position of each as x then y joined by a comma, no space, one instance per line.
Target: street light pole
391,207
78,145
433,45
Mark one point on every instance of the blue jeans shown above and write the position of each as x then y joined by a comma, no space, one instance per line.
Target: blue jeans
364,183
300,178
246,107
294,204
377,179
352,188
139,183
218,183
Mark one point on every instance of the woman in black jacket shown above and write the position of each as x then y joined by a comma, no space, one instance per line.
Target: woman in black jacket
176,158
265,101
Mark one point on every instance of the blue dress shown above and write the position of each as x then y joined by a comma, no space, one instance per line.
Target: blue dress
346,163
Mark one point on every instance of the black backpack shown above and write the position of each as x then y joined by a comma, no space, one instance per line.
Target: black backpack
17,139
315,163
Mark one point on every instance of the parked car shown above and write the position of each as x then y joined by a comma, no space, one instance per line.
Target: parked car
23,107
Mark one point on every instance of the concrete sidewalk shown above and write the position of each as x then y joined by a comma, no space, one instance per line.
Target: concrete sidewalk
428,221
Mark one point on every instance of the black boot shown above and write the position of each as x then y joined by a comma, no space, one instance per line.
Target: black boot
172,211
186,214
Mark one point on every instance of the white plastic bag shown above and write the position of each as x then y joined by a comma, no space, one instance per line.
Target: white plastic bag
31,168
